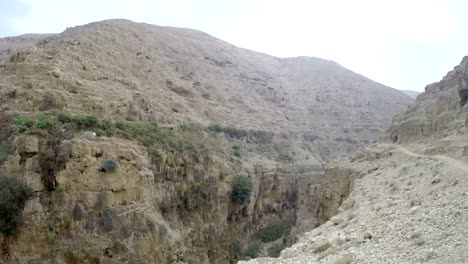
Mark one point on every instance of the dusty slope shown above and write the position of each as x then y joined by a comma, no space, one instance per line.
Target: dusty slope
11,45
118,67
399,203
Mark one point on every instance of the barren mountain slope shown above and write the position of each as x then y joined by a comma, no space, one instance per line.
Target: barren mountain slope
403,200
12,45
118,67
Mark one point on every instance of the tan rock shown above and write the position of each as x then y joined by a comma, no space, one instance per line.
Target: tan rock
28,145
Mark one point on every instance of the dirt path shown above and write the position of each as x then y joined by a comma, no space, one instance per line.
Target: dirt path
452,162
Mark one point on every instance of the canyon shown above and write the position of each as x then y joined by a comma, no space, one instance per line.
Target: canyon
133,138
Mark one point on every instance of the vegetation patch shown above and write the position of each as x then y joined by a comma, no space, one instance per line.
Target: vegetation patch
236,151
215,128
242,186
4,152
275,231
162,230
108,165
168,147
13,197
253,249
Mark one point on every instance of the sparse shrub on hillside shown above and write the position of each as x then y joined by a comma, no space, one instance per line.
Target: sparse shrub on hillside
236,133
64,117
283,155
45,120
215,128
87,121
253,248
162,230
292,195
4,152
108,165
275,231
261,137
242,186
236,151
190,126
13,197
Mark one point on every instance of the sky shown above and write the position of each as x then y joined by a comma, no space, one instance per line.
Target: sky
405,44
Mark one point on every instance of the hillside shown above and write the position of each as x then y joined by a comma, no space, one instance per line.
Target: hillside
403,200
412,94
150,144
122,68
11,45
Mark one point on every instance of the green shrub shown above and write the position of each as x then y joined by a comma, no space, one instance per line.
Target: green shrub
284,157
108,165
292,195
253,248
190,126
242,186
236,151
65,117
275,231
44,120
4,152
22,123
13,197
162,230
87,121
215,128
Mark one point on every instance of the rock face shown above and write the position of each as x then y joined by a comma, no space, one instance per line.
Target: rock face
278,121
133,214
437,114
398,203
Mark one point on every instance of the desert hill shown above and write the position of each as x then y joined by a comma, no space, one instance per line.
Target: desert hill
123,68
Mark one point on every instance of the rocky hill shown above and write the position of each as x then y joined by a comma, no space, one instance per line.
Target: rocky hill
11,45
403,200
150,144
170,75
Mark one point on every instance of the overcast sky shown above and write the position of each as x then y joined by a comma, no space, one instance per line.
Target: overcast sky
404,44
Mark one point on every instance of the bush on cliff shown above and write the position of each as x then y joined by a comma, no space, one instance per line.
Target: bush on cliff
13,197
241,188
